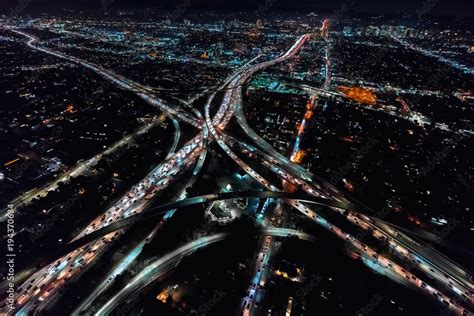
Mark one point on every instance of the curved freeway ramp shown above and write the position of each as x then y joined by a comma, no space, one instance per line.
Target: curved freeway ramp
158,211
168,262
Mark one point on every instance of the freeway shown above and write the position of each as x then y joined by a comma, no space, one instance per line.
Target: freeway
159,211
119,268
128,259
133,254
432,239
465,294
233,96
229,99
276,156
157,269
80,168
256,290
378,260
122,82
50,279
297,196
176,138
168,262
36,292
450,275
38,289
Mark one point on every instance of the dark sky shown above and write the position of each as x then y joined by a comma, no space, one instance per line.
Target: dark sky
436,7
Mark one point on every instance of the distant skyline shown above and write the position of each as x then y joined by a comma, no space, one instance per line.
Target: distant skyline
431,7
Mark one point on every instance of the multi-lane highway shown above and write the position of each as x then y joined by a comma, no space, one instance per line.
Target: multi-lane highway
462,290
132,255
168,262
38,289
81,167
36,292
402,243
452,277
122,82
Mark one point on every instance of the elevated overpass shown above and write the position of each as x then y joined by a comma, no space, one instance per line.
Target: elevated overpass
156,212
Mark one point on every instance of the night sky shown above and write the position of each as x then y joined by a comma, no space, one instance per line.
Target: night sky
436,7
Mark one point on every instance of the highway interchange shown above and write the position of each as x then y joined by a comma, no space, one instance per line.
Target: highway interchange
450,283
